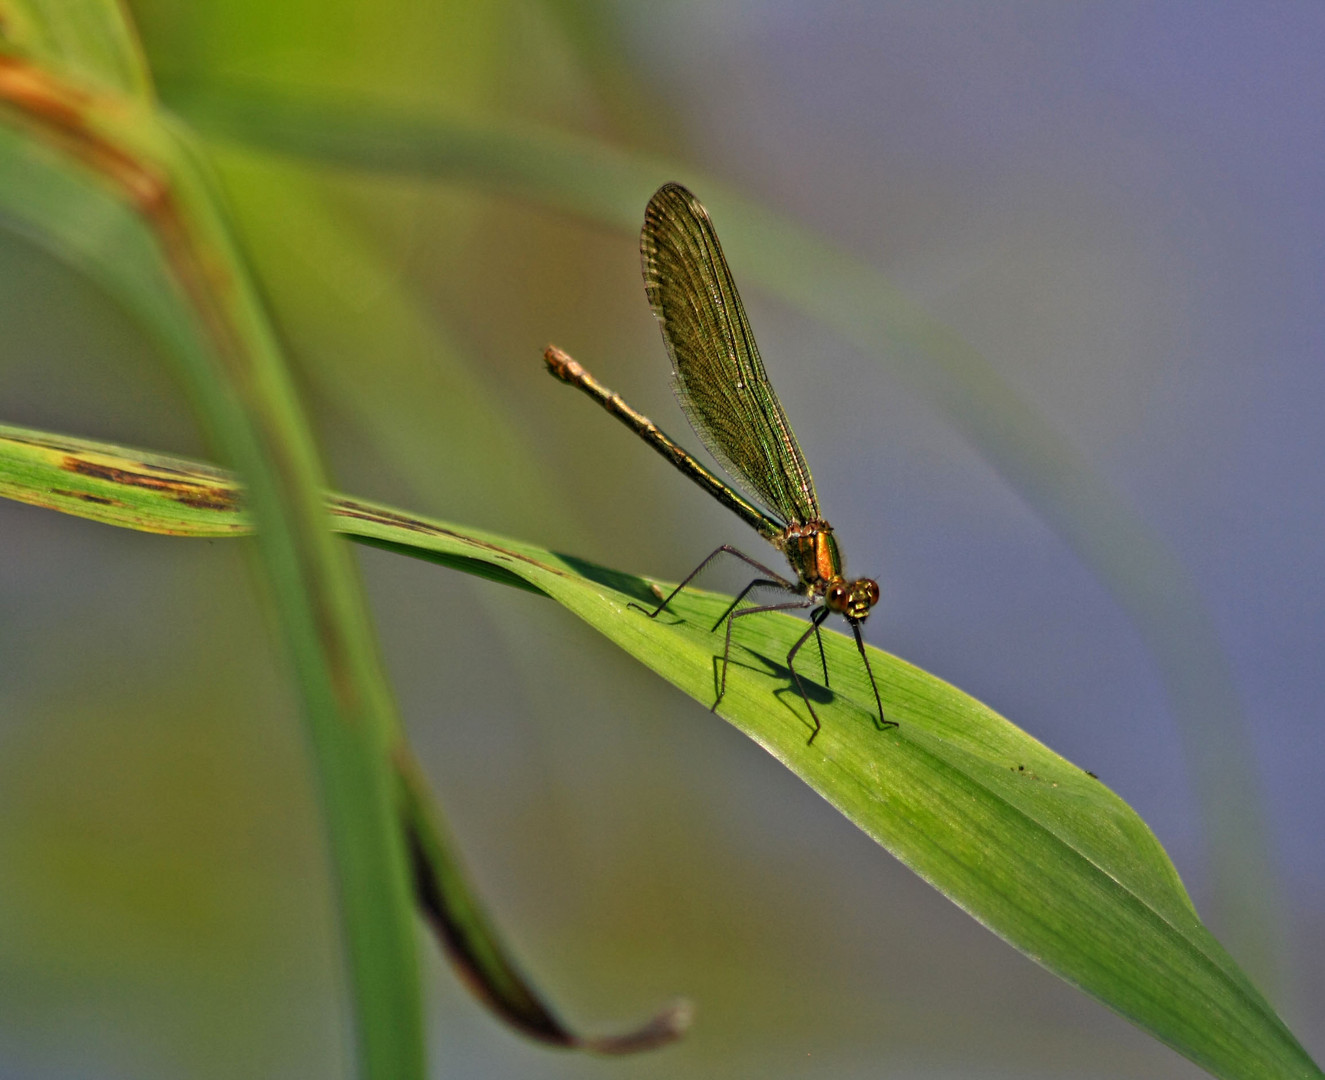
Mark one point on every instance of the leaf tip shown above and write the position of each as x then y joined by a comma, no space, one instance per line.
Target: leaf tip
667,1026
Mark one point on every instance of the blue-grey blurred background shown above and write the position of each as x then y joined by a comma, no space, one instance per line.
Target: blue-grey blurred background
1121,206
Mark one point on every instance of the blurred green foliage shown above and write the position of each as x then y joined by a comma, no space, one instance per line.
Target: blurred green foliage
415,314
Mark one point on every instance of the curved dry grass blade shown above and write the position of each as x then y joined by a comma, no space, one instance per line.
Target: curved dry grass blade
463,929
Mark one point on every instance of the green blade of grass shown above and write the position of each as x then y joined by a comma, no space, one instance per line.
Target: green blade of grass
1030,845
113,186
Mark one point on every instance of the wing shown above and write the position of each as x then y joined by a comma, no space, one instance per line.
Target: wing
717,374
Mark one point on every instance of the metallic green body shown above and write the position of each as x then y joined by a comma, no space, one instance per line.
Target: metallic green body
720,382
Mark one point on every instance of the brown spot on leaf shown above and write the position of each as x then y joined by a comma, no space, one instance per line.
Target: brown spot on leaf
85,496
210,499
199,496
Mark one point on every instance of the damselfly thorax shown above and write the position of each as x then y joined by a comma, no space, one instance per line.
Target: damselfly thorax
816,559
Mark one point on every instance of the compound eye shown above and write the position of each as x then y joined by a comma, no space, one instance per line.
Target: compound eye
836,596
871,591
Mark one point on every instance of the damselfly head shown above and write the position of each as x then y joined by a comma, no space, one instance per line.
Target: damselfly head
852,598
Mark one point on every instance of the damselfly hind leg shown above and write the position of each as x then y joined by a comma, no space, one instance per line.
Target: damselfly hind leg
795,605
774,578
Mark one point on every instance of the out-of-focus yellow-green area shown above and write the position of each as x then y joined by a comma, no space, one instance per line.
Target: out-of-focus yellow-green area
163,902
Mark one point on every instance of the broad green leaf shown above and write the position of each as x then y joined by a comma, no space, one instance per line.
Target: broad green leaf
1039,851
609,186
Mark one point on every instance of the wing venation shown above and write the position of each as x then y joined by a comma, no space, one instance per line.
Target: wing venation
716,371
